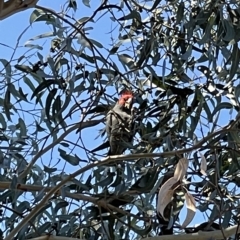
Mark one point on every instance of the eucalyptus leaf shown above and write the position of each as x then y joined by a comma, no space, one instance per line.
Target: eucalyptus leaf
73,160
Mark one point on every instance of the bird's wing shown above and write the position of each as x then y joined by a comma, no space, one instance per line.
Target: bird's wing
108,123
112,123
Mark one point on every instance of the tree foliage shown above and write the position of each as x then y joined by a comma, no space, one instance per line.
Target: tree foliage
181,59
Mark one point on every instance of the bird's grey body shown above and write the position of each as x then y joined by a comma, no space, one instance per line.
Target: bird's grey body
119,124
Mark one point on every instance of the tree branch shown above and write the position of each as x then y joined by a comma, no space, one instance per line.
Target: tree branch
47,237
11,7
201,235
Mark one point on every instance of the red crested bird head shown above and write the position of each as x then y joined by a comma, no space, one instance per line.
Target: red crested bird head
126,98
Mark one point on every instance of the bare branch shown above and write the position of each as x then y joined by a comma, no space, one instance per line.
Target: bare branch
47,237
11,7
217,234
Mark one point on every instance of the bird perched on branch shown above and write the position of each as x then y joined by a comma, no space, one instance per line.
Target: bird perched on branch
120,124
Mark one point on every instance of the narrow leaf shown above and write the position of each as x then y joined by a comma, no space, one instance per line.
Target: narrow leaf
49,100
191,209
7,104
223,105
235,61
203,165
7,66
164,201
45,84
86,3
181,169
164,191
180,12
60,205
73,160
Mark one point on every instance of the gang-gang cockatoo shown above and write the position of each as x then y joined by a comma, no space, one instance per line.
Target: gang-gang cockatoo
119,124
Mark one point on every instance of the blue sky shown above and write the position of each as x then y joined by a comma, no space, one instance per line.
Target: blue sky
13,26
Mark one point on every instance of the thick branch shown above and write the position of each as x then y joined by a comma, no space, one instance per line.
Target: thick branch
214,235
11,7
47,237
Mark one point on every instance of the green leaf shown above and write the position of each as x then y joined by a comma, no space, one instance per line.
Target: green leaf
223,105
214,213
86,57
23,206
56,107
39,15
39,98
23,68
108,180
43,210
226,53
51,63
114,49
45,84
23,95
229,30
29,83
33,46
60,205
49,100
129,173
144,230
14,182
208,112
86,3
118,178
154,189
49,170
73,160
237,92
227,216
235,61
125,59
188,53
3,122
46,226
23,129
64,144
73,4
22,233
98,44
4,196
15,93
7,104
180,12
39,128
207,32
8,70
65,105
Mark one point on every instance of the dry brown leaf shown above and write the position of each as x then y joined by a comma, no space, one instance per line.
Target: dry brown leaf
191,209
164,202
203,166
164,194
181,169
